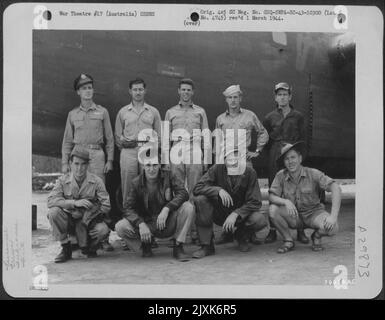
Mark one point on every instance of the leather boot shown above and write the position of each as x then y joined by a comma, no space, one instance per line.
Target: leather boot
272,236
204,250
179,254
65,253
146,250
242,236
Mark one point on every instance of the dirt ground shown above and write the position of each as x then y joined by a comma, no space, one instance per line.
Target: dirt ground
261,266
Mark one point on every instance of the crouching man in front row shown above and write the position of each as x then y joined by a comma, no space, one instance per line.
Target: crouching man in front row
229,196
151,210
79,204
295,203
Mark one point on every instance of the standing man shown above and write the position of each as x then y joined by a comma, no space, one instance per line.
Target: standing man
151,211
236,118
89,126
295,202
188,116
79,204
230,198
284,124
131,119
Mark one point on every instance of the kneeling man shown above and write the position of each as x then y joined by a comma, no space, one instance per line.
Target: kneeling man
231,198
294,199
79,203
151,210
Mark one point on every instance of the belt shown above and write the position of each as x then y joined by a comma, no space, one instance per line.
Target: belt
90,146
133,144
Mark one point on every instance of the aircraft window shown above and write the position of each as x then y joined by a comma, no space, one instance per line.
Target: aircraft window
280,37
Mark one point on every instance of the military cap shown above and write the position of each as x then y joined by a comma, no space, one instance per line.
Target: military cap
282,85
81,153
232,90
82,79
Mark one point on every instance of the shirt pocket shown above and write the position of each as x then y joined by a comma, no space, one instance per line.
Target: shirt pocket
308,196
96,116
78,120
195,121
147,118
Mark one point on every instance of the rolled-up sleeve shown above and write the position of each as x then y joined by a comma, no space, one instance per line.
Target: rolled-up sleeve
262,135
324,182
56,197
277,184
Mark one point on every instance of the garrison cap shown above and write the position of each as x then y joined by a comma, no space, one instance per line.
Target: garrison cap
282,85
82,79
81,153
232,89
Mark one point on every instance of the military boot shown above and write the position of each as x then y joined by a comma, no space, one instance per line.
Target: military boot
178,252
65,253
146,250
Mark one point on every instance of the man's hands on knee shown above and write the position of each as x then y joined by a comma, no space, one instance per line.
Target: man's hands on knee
145,233
83,203
291,209
229,224
162,218
226,198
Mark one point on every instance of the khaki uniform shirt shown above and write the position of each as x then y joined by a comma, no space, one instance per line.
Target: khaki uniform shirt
88,127
304,194
67,190
129,123
247,120
194,117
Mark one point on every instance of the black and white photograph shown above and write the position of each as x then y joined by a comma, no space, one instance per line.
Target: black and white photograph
131,186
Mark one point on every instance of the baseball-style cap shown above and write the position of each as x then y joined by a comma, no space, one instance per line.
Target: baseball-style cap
232,90
81,80
282,85
81,153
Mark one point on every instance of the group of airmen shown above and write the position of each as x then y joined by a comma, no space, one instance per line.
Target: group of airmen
186,198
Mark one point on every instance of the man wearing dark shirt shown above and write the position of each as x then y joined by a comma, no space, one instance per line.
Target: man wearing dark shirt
284,125
231,198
